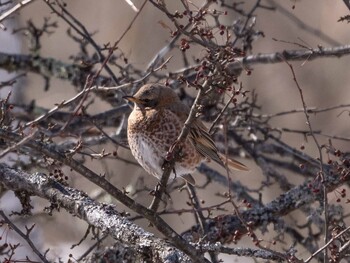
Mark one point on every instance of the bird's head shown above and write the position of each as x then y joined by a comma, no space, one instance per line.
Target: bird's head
153,96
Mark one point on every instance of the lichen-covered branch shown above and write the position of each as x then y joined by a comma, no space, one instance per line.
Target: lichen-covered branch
51,67
222,228
102,216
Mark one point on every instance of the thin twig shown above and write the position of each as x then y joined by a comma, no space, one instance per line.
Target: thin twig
309,110
132,21
133,7
88,251
321,173
299,23
327,244
304,132
59,106
221,113
200,217
7,13
81,30
18,144
242,252
24,236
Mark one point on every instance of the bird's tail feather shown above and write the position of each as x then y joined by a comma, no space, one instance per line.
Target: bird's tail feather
232,163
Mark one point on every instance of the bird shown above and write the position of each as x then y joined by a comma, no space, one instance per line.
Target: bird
153,127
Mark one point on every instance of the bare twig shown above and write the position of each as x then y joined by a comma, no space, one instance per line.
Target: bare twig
327,244
90,249
309,110
59,106
321,173
131,4
132,21
12,10
316,32
24,236
81,30
18,144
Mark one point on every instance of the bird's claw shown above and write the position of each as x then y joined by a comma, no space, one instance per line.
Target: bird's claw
169,155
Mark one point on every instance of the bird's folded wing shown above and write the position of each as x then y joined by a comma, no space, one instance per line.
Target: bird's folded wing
203,142
205,145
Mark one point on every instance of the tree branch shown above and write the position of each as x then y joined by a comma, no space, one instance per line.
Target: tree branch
102,216
158,222
222,228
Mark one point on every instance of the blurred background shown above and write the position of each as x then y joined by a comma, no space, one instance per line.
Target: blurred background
325,83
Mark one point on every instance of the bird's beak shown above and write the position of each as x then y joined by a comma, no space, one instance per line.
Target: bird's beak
132,99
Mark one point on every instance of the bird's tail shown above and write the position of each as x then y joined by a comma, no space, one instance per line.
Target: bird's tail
232,163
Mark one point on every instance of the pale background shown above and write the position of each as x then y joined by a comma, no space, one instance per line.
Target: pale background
325,83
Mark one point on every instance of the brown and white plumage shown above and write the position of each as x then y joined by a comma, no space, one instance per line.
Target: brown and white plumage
154,125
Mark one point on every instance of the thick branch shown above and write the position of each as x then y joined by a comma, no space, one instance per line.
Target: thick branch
102,216
289,55
47,67
162,226
50,67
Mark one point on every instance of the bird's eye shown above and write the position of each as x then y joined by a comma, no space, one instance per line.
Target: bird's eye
149,103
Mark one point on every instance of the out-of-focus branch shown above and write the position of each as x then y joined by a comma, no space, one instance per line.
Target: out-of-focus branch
242,252
301,24
223,227
47,67
50,67
347,3
289,55
24,236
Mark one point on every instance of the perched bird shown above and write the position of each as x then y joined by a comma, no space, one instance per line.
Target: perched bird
153,127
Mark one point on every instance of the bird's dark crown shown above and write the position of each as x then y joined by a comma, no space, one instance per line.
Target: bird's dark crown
153,96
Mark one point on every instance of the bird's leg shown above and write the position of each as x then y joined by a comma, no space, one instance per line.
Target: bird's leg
158,194
168,167
166,164
157,191
159,188
169,155
172,148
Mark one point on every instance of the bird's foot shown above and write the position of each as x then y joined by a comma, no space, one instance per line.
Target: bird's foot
169,156
157,192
